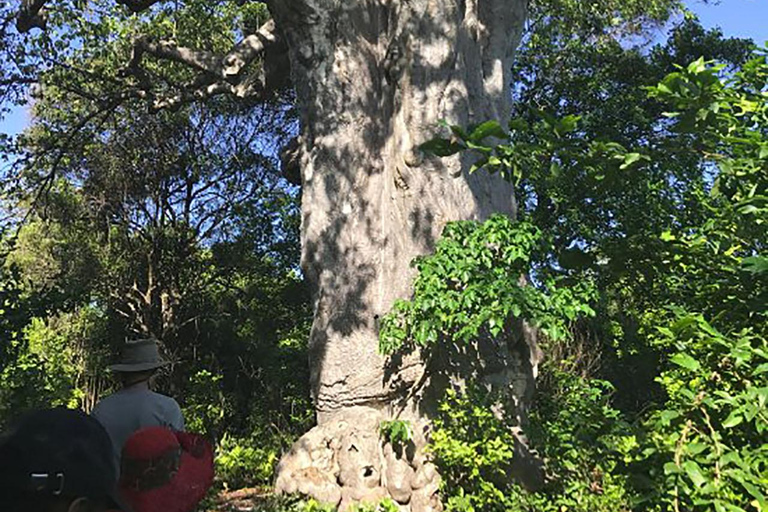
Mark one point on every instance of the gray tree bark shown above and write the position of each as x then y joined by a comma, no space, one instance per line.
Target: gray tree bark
373,81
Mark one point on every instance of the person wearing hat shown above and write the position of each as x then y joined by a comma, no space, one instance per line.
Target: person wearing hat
135,406
57,460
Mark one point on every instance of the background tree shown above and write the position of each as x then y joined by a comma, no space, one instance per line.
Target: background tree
189,238
603,222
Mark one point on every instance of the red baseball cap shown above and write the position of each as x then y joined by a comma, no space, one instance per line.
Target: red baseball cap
165,471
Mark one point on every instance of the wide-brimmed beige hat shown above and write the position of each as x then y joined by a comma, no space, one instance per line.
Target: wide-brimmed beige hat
139,356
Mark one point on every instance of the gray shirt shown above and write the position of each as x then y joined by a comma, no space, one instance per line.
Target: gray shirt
131,409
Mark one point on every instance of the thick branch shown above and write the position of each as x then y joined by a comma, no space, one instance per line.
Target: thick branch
138,5
243,90
219,74
203,60
290,164
249,48
31,15
227,67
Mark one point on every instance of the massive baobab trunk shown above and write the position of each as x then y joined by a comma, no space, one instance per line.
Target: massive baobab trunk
373,81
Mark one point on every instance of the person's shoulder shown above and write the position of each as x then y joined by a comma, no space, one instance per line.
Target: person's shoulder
97,408
106,404
105,401
165,399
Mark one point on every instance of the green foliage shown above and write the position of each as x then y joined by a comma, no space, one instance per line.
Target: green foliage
472,285
396,432
670,226
312,505
585,441
385,505
705,448
159,223
474,451
57,363
289,503
579,433
245,462
656,223
206,408
299,504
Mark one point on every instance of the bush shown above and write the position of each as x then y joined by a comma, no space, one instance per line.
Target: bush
57,362
243,459
473,448
707,447
206,408
243,463
585,442
582,438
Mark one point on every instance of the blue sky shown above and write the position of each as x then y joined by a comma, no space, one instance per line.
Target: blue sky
740,18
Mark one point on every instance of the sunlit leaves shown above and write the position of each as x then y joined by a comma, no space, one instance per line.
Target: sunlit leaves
473,286
680,259
711,432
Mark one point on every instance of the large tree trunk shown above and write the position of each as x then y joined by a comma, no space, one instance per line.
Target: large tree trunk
374,79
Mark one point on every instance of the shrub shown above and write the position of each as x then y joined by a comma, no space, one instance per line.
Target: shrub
242,462
582,438
707,447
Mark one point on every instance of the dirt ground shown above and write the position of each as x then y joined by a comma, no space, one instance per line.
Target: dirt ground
251,499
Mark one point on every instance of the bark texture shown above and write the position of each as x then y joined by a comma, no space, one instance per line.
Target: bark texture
373,79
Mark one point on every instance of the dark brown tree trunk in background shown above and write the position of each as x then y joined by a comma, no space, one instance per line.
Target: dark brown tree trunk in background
373,80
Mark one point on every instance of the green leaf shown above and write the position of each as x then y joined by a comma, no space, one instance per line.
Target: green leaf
670,468
458,131
487,129
733,419
441,147
695,448
518,124
693,470
568,124
631,158
755,492
755,264
479,164
724,505
686,361
667,236
668,415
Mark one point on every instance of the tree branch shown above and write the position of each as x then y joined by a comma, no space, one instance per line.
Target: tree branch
138,5
201,59
220,74
249,48
227,67
247,89
31,15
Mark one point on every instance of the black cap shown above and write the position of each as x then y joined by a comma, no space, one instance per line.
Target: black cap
58,452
